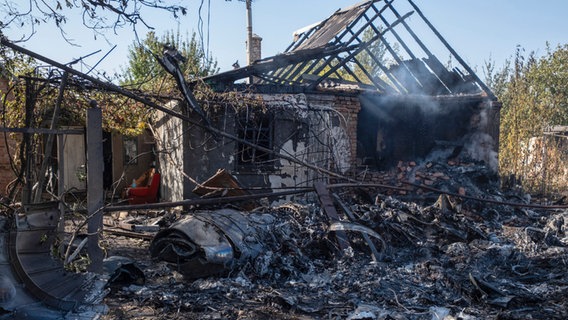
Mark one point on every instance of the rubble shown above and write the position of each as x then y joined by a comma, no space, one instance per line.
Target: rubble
455,248
441,257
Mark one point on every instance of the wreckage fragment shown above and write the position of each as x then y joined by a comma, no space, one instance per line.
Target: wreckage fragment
223,184
209,243
122,271
34,283
348,226
7,290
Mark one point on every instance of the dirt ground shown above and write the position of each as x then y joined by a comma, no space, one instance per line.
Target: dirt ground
449,257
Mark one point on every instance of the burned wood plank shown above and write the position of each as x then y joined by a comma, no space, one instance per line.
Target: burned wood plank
329,209
130,234
454,53
360,48
43,131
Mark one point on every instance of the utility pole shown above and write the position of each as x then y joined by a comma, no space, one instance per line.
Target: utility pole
249,32
249,36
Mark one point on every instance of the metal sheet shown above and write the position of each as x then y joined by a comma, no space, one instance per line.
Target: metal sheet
44,276
207,243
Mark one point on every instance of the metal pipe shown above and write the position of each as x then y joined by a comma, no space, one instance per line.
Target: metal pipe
189,202
249,32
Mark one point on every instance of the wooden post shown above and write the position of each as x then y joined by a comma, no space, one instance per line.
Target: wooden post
61,180
26,149
95,192
50,138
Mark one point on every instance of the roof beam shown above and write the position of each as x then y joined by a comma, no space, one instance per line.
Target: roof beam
360,48
454,53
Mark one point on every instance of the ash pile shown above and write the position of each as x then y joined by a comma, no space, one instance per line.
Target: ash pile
443,243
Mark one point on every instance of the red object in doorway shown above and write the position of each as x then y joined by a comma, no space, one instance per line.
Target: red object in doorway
149,194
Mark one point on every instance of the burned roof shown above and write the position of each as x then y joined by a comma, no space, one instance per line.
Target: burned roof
374,44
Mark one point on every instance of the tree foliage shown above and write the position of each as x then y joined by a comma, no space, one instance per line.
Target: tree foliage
144,71
534,93
34,88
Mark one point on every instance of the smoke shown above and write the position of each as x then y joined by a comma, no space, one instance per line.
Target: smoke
479,144
423,128
481,147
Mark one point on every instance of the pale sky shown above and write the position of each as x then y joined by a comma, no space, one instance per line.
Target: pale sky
476,29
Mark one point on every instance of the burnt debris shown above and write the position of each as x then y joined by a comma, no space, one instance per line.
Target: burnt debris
431,236
449,244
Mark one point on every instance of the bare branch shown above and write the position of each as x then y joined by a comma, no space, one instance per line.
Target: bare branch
97,15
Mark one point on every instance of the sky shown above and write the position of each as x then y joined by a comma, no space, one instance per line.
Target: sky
478,30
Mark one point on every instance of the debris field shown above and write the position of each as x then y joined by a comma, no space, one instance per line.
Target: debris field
436,240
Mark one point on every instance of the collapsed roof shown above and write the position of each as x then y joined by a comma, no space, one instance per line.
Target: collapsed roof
373,45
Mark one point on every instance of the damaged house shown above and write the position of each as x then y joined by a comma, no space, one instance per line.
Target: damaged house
357,92
359,97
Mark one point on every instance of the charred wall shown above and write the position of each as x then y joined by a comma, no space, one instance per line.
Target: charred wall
405,128
317,128
187,153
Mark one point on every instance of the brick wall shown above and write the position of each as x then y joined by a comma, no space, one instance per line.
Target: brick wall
256,47
349,107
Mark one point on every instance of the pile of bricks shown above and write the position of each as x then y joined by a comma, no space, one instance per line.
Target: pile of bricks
408,174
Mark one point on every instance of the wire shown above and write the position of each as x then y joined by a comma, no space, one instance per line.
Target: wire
200,25
104,57
208,31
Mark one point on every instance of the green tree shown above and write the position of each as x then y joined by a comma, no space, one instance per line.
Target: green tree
35,87
497,80
371,58
144,71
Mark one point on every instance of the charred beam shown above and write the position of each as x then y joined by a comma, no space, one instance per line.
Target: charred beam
454,53
361,47
329,209
195,202
42,131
